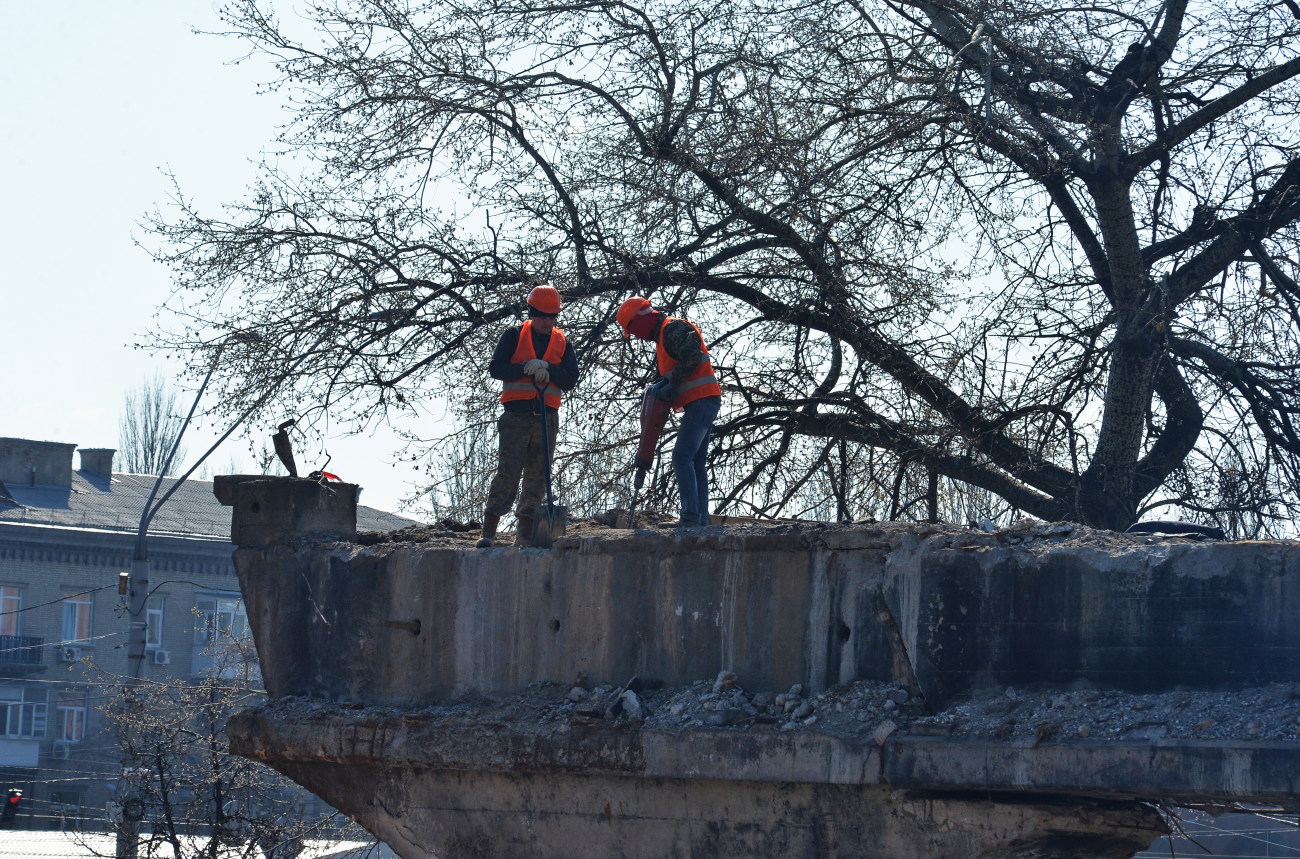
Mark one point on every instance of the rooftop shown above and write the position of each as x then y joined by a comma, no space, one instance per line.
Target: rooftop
114,504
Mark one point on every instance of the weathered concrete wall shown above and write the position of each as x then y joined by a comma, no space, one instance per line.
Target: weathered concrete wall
942,609
1138,617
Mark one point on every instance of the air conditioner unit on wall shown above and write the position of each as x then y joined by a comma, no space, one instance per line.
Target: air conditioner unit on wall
162,657
70,654
61,750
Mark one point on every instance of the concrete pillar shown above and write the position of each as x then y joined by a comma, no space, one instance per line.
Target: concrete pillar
279,510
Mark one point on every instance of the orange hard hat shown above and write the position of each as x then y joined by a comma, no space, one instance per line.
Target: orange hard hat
629,309
545,299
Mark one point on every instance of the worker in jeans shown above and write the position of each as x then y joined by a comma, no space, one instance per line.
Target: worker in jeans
687,381
534,363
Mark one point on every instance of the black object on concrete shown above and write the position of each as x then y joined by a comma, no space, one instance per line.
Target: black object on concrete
1177,529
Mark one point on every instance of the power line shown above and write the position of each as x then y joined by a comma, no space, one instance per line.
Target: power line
59,600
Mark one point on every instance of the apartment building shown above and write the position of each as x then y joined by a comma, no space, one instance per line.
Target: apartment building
65,536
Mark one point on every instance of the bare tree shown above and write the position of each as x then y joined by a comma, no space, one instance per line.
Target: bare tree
188,795
1041,255
149,428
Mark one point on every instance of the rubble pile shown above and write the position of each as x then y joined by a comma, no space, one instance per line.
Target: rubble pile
874,709
1027,534
454,534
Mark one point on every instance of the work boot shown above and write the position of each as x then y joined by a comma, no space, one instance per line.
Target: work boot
524,530
489,533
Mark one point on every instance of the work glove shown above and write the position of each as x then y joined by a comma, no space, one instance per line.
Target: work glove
639,480
664,389
541,376
532,365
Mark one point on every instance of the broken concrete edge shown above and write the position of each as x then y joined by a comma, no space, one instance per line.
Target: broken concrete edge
1157,771
1033,536
1037,539
739,533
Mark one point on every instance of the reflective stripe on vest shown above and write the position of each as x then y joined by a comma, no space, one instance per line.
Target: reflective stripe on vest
523,387
702,383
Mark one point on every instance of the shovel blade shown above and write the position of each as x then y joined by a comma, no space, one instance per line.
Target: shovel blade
549,522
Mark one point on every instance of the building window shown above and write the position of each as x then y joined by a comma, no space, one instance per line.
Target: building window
154,629
11,605
220,617
76,617
22,712
65,806
72,721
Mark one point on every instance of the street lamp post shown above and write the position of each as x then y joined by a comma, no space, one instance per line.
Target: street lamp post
128,830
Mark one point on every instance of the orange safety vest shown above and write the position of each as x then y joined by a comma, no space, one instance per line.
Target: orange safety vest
523,387
702,383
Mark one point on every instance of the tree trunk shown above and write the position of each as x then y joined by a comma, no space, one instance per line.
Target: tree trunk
1107,497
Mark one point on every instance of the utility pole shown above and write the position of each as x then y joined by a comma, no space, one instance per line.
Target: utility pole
137,636
132,806
137,586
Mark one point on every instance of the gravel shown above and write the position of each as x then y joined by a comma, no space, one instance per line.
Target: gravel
874,711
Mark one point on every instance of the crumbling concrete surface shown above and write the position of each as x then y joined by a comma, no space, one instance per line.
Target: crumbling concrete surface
760,690
540,775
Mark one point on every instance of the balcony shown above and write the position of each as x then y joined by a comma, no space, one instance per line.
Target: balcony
20,655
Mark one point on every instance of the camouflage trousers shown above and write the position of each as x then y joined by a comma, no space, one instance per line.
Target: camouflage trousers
519,451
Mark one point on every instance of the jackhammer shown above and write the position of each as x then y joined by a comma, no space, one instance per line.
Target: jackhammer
654,414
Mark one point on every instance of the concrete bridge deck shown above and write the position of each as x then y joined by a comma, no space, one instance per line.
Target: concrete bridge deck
404,678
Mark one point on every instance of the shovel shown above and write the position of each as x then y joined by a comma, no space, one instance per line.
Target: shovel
549,518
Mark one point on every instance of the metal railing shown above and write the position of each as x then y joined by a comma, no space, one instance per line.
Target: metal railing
20,650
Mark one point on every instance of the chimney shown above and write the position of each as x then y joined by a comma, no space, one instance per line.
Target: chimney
97,460
25,462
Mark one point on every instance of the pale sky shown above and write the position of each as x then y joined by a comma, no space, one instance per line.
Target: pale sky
100,96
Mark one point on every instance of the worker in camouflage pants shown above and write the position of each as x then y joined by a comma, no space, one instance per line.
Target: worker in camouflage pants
534,362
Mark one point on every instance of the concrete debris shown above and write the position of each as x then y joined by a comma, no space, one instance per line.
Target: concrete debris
631,706
1026,534
871,712
1269,713
459,535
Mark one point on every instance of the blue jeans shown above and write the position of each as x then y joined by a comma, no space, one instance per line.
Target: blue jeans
689,455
